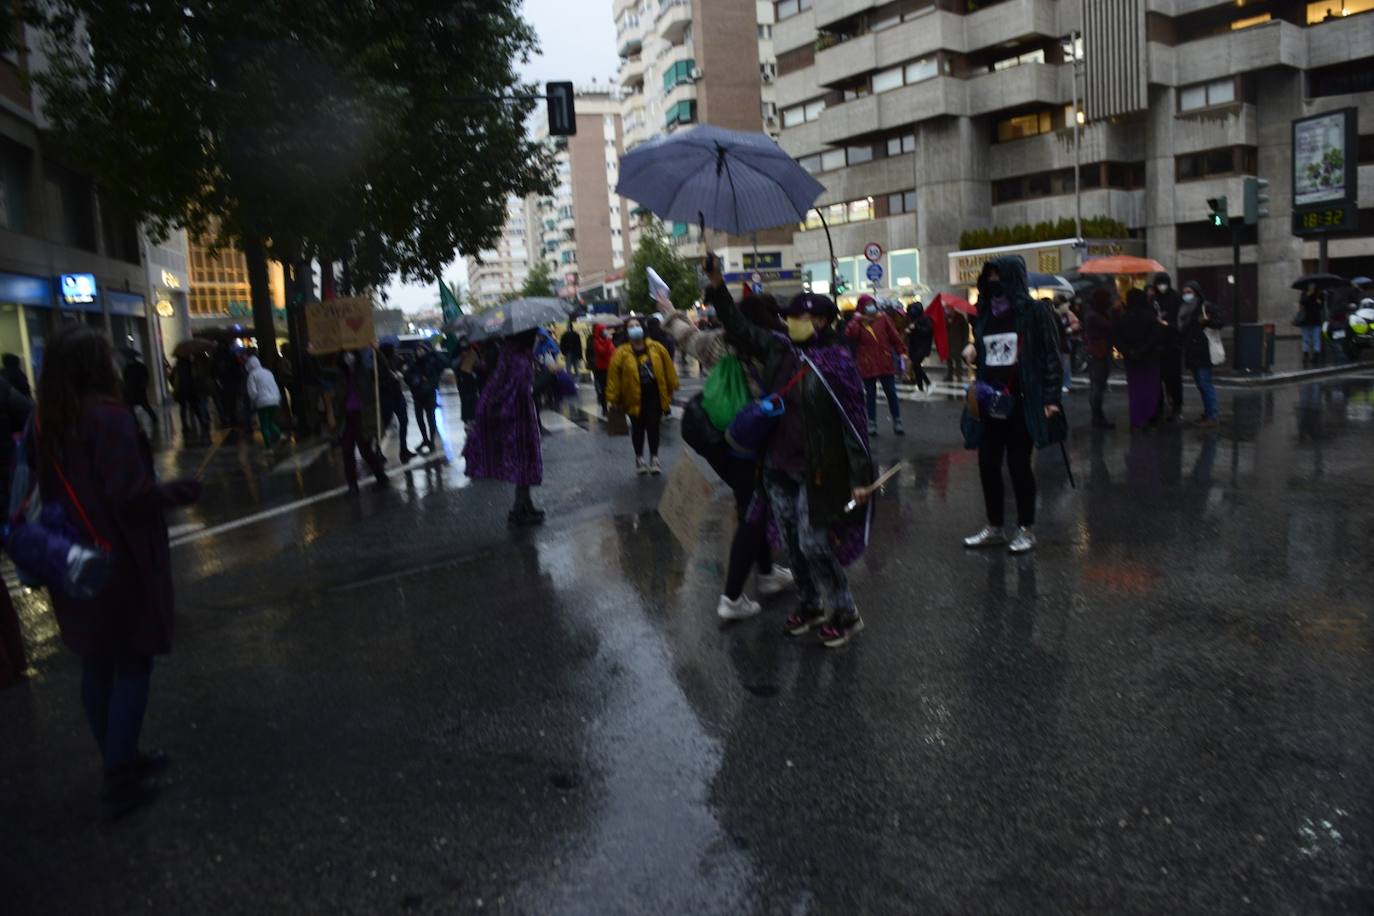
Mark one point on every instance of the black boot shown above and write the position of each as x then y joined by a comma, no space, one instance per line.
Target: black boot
1306,359
126,789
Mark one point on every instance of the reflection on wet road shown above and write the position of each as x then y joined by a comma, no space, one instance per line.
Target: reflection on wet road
395,702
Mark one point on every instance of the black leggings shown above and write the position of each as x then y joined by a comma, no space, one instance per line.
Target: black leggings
647,423
1009,438
750,545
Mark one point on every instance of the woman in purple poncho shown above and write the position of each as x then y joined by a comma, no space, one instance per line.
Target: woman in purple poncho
503,443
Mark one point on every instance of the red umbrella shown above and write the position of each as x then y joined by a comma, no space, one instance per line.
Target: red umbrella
936,313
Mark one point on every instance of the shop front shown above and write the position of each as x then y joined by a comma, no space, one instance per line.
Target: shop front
129,329
25,316
898,276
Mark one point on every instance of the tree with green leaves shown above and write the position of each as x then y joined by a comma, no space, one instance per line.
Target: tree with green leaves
656,250
345,129
540,281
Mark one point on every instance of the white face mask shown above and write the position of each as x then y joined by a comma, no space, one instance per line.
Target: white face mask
1189,298
1162,287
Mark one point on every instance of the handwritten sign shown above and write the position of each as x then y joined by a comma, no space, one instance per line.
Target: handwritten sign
685,502
340,324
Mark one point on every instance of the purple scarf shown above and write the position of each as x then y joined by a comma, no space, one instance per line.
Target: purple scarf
842,374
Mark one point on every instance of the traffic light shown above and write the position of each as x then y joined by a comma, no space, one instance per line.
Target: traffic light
1219,217
562,112
1256,196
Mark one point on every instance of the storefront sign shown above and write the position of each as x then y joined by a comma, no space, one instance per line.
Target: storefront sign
340,324
77,289
171,280
165,309
763,260
1045,257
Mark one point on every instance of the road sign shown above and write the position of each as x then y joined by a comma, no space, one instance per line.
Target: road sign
756,277
873,251
875,272
757,288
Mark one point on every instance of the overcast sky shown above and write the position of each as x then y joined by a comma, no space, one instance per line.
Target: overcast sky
575,46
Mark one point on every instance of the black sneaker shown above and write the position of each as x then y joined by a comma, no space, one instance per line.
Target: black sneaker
126,789
840,632
804,621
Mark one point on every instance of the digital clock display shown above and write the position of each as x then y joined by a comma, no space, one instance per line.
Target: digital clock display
1320,220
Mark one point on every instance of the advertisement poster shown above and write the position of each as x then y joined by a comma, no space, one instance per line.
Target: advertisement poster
1319,159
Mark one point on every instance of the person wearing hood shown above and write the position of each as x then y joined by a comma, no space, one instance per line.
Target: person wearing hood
603,350
817,465
1167,302
1017,388
1311,309
393,397
1141,338
423,380
468,369
571,345
355,403
875,340
920,341
503,443
136,386
1099,333
641,381
265,396
1197,316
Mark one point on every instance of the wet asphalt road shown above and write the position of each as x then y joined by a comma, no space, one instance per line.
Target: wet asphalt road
395,704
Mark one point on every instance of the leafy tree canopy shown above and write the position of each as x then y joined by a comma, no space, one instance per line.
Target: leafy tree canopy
540,280
656,250
347,128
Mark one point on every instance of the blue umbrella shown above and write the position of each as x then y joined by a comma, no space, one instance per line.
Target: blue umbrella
729,180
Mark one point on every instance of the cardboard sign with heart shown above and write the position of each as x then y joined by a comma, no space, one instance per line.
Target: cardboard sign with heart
340,324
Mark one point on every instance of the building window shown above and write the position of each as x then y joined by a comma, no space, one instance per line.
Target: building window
884,80
904,268
800,114
854,211
1229,160
811,163
898,145
787,8
1027,125
1246,23
858,155
678,74
14,184
1029,57
905,202
681,113
1326,10
923,69
765,32
1205,95
768,71
832,159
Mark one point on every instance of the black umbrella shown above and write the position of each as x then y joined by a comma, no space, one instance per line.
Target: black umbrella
1320,281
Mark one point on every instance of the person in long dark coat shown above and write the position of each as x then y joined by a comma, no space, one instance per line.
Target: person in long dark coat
503,443
1141,338
1167,302
89,437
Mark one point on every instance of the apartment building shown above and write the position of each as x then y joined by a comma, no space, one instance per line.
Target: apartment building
497,274
685,62
928,118
582,229
67,255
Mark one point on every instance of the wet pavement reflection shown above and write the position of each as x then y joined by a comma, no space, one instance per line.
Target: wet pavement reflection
396,702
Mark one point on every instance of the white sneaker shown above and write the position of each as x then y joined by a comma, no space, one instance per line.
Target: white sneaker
654,467
776,581
742,608
1024,542
640,467
988,537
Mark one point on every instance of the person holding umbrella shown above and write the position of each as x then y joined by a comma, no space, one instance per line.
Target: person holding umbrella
641,381
1015,353
817,465
1142,337
1311,314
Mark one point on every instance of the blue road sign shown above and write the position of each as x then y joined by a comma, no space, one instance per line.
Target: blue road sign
875,272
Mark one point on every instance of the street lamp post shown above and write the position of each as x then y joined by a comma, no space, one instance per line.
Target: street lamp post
1077,153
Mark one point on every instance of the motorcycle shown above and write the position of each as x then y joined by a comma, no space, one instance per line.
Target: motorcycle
1352,331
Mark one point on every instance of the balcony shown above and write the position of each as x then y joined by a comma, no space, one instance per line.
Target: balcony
673,20
631,44
829,12
1010,22
680,93
932,98
1273,44
1018,87
630,76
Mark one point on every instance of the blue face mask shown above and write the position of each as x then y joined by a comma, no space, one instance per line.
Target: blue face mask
636,334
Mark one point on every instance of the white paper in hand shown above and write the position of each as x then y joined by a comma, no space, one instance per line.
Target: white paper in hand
656,284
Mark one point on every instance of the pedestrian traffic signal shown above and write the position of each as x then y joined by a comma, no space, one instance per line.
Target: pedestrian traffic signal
1218,216
1256,196
562,112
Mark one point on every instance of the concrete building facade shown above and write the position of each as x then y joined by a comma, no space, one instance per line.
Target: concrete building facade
56,223
686,62
582,229
497,274
927,118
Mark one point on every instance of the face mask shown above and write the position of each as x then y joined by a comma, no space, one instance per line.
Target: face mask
995,289
636,334
800,328
606,334
1162,287
1189,298
870,310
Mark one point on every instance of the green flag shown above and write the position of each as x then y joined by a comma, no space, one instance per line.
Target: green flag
449,302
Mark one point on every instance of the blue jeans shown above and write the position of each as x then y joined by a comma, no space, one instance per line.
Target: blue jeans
1311,339
114,691
889,389
1203,377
